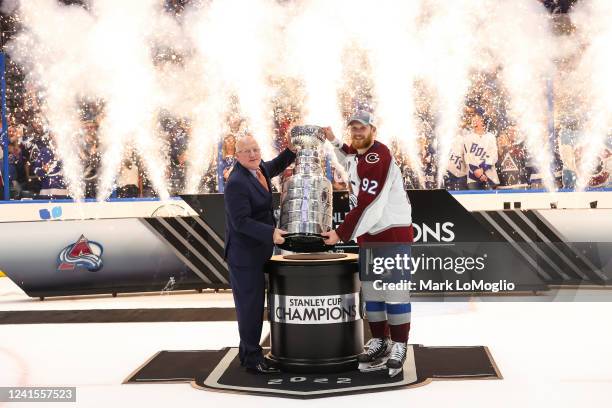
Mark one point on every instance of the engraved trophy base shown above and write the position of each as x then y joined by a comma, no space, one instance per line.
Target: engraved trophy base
305,242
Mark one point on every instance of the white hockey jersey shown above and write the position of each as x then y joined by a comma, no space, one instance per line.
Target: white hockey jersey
456,163
480,151
380,209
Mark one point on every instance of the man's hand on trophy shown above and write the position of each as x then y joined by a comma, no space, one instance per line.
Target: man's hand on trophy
329,133
332,237
277,237
290,145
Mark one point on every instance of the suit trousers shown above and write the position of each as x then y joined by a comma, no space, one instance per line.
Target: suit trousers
248,287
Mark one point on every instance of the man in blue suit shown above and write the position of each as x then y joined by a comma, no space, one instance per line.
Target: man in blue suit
249,240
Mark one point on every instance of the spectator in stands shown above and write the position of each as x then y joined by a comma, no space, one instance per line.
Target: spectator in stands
90,156
480,154
427,153
128,181
48,167
32,140
236,125
511,164
409,176
15,160
179,138
569,137
456,171
228,155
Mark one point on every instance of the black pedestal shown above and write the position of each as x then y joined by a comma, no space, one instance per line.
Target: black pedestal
314,312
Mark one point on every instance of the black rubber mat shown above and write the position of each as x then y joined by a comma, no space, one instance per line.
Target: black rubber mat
212,314
176,366
221,370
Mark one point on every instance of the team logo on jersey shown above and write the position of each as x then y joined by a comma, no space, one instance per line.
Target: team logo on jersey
372,158
508,163
83,253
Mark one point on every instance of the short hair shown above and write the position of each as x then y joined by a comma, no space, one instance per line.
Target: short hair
242,138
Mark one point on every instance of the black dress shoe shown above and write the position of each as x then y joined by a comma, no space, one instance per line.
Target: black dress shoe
262,368
271,363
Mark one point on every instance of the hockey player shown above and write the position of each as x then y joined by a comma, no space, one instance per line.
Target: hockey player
380,212
480,153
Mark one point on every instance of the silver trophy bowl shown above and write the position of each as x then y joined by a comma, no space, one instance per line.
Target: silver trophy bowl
306,197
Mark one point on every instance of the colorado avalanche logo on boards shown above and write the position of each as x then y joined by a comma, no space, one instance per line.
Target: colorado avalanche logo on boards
372,158
83,253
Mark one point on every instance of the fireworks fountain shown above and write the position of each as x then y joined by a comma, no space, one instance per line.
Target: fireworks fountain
237,50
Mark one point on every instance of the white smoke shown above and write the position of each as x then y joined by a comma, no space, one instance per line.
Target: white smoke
393,52
315,38
51,49
591,18
448,51
520,38
105,53
132,95
235,53
238,49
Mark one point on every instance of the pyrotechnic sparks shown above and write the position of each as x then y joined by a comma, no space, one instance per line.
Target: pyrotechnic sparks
416,64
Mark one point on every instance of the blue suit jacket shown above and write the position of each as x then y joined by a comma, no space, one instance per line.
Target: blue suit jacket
249,219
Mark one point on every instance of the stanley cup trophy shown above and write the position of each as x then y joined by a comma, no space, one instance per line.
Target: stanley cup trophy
306,198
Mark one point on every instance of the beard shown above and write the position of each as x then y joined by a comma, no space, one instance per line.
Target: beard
362,143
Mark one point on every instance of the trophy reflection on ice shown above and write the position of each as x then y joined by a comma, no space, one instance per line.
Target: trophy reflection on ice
306,197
